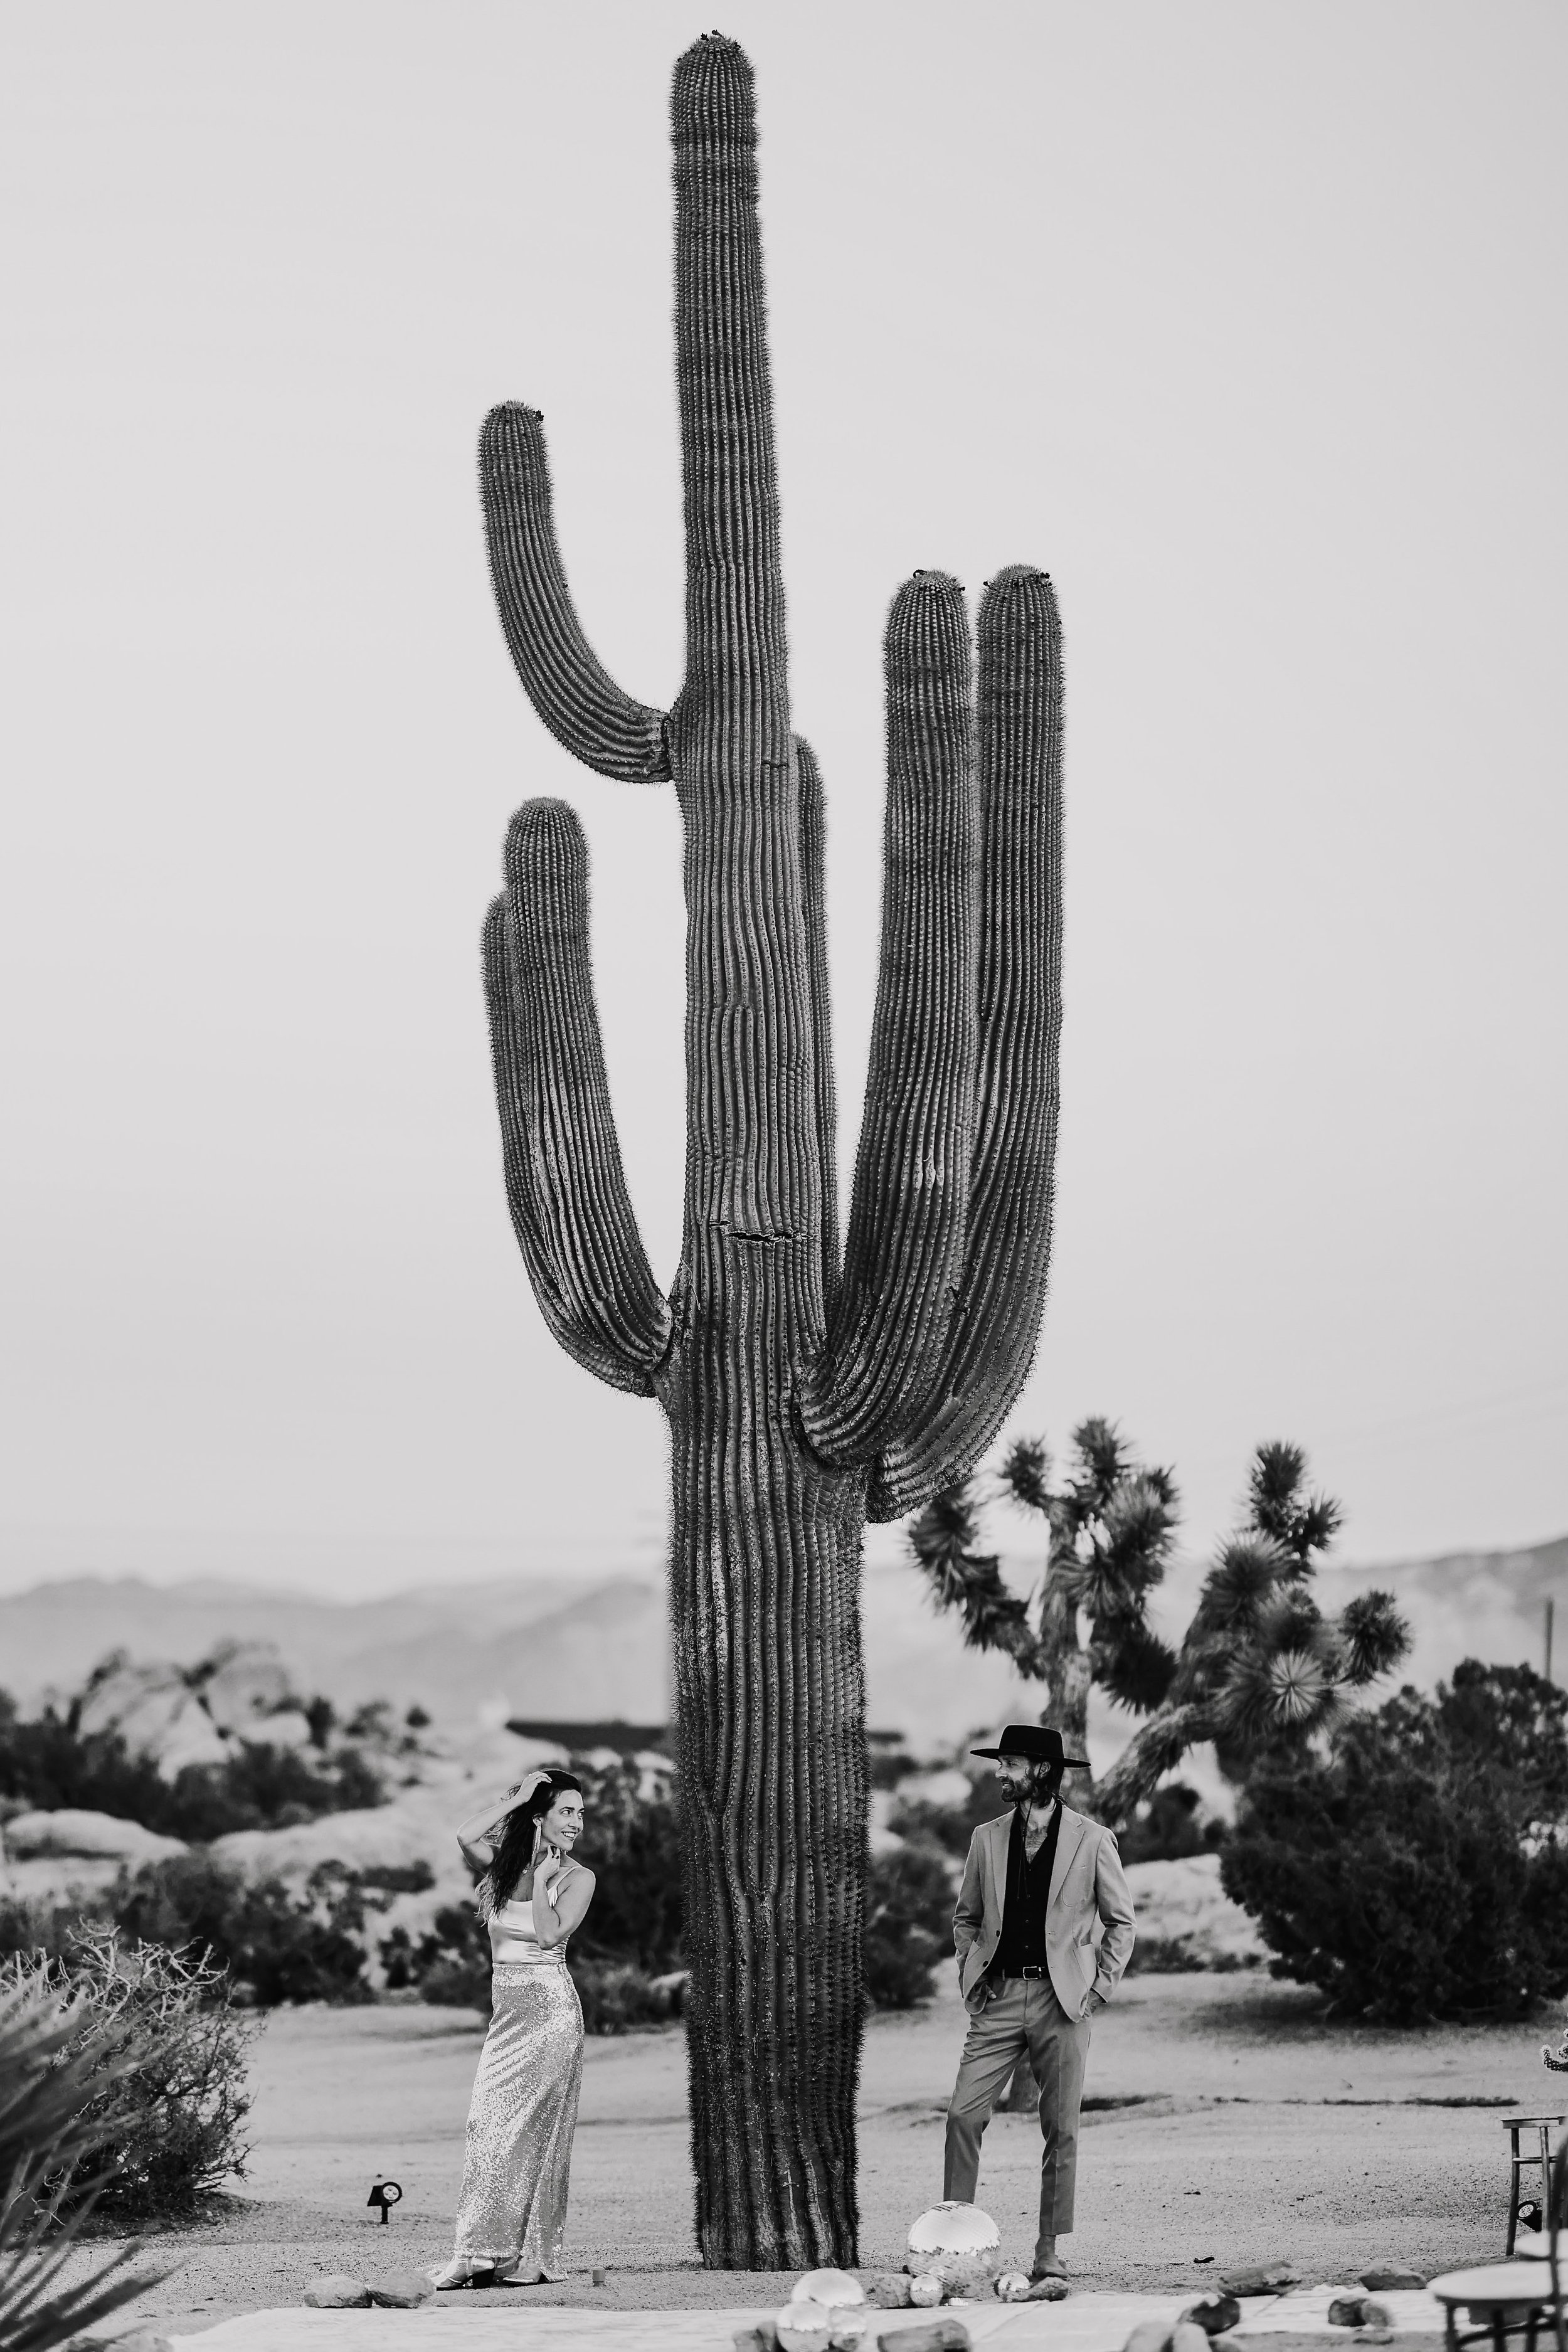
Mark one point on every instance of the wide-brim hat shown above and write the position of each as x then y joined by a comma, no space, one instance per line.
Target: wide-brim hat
1034,1743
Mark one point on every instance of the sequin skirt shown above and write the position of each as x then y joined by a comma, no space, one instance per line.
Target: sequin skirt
517,2169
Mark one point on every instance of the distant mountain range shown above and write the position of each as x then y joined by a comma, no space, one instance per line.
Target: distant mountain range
557,1647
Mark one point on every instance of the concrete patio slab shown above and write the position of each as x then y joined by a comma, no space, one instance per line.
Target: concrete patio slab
1083,2323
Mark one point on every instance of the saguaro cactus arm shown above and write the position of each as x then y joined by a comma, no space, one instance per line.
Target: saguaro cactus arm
814,889
991,1338
566,1186
735,652
574,694
905,1243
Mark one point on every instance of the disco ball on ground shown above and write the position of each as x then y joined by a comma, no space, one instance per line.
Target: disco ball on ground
804,2326
958,2245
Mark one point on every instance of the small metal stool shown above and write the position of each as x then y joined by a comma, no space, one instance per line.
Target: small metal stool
1513,2126
1500,2299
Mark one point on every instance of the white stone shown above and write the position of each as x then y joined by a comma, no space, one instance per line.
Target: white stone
1185,1900
72,1830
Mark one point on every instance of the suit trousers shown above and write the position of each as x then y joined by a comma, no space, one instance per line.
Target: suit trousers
1023,2014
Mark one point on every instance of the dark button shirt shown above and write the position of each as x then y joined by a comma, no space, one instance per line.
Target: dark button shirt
1028,1898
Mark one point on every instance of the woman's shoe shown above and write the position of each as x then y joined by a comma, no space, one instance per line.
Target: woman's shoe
510,2278
464,2271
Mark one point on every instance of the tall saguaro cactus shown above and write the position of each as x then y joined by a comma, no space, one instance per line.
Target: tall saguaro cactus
803,1392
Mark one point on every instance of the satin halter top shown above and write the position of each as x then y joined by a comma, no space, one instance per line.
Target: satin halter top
512,1940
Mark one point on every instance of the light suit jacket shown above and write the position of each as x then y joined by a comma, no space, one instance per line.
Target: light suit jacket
1088,1883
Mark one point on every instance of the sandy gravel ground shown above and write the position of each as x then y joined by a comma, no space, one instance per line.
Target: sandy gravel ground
1238,2128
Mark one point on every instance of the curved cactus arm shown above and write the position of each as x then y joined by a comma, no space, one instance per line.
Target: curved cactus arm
575,696
905,1245
995,1323
813,865
1155,1747
567,1191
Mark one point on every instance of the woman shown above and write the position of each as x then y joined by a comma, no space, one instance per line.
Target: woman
513,2211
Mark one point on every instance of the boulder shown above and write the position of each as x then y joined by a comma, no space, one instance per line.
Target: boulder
1347,2311
66,1879
250,1683
1214,2313
336,2292
1266,2278
1391,2278
1184,1903
1049,2289
155,1712
100,1837
288,1728
402,2289
943,2335
889,2291
763,2337
416,1826
1377,2315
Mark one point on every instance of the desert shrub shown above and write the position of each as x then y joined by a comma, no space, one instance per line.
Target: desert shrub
1165,1956
162,2054
1167,1828
47,1761
265,1788
950,1827
633,1843
44,1924
889,1758
450,1964
1421,1868
47,2132
278,1945
618,1997
909,1924
397,1877
451,1967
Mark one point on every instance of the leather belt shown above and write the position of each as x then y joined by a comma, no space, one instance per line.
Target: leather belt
1011,1976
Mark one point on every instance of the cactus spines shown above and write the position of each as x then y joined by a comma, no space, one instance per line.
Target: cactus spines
797,1389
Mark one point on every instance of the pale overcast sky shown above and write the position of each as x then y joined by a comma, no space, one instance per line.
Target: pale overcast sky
1244,317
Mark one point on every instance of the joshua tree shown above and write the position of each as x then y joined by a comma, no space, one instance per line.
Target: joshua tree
1259,1666
803,1390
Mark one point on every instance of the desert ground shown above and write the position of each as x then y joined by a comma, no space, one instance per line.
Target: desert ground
1232,2124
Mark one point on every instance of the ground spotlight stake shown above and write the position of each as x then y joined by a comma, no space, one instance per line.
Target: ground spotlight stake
386,2194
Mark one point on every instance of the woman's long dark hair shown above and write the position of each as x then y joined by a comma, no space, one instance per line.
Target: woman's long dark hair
515,1852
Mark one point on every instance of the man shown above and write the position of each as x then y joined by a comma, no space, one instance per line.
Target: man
1036,1881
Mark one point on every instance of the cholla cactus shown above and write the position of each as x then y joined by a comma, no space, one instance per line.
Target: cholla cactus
1260,1662
803,1388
